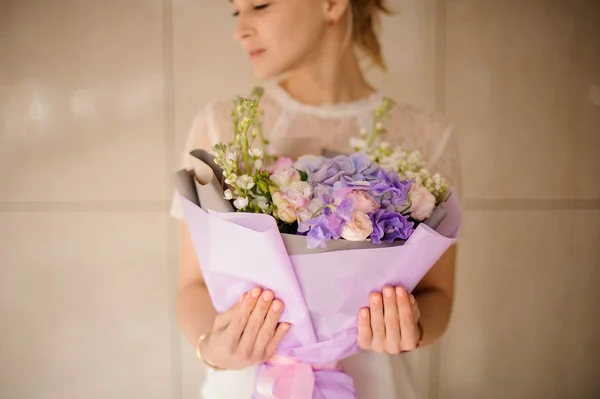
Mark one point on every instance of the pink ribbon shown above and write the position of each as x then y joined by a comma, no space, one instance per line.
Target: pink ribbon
289,378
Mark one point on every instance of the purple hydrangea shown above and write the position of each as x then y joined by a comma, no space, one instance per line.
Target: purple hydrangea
389,226
342,168
391,192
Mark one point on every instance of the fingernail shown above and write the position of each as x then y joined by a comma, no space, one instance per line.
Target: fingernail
255,292
388,292
399,292
364,313
276,306
285,326
267,296
376,300
412,300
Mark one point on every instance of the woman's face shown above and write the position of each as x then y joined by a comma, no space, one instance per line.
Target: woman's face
279,35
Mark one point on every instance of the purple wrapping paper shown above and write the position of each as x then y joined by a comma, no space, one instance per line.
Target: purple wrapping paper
322,292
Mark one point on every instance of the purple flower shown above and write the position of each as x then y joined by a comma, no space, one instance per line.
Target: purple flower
354,168
388,226
391,192
390,182
329,222
328,225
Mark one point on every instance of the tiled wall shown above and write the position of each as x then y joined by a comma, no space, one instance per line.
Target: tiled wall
96,100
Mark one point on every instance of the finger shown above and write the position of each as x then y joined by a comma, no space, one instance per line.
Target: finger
415,308
407,321
239,321
255,322
392,323
365,335
377,323
268,329
280,332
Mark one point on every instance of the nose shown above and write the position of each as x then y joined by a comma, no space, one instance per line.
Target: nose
243,29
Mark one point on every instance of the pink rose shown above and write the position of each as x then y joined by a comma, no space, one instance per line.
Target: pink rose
282,163
422,203
298,194
359,228
307,212
363,202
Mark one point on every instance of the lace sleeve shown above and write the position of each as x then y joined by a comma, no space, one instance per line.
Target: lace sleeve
203,135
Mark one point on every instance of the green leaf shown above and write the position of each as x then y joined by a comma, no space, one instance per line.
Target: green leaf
303,175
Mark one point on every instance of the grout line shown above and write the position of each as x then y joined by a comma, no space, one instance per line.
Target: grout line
435,353
169,153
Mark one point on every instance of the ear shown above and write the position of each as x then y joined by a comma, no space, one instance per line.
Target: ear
335,9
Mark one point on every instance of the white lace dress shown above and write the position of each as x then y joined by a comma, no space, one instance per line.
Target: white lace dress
295,129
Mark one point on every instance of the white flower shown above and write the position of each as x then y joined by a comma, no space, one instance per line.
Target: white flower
358,143
232,156
284,177
422,203
256,152
258,164
261,202
231,179
228,195
241,203
245,182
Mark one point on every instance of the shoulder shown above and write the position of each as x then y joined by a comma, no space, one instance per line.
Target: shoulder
418,128
421,121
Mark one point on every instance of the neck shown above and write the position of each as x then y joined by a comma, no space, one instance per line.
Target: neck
328,80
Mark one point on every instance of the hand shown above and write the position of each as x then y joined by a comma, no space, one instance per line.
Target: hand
248,333
390,325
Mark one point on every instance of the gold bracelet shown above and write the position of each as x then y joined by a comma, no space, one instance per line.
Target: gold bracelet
201,356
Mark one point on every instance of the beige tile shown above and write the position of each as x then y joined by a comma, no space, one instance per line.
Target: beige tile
87,301
408,41
210,65
526,322
82,101
520,80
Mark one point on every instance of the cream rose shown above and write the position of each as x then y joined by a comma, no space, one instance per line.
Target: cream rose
285,211
359,228
422,203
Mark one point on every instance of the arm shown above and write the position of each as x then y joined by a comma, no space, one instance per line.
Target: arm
195,312
435,297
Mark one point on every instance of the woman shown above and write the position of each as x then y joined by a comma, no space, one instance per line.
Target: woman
322,101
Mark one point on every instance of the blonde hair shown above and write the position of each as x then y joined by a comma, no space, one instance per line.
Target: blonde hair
365,27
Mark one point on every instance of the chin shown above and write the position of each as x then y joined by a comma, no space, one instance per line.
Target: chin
267,71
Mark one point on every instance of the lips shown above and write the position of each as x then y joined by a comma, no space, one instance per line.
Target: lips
254,54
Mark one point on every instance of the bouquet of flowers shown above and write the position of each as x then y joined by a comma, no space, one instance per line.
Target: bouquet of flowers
367,196
321,232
